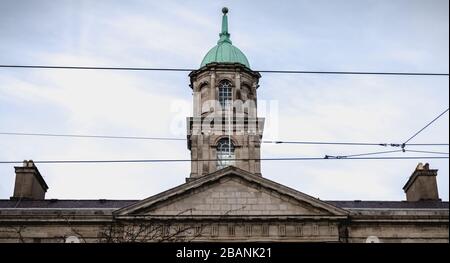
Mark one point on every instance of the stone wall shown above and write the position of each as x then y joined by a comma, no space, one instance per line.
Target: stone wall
234,196
399,232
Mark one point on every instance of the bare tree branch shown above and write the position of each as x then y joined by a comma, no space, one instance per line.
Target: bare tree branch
156,231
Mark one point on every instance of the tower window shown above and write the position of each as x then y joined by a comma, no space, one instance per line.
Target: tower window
225,153
225,94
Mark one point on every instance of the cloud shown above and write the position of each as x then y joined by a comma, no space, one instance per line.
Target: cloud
296,35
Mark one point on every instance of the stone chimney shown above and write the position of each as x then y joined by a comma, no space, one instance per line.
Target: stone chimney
29,183
422,184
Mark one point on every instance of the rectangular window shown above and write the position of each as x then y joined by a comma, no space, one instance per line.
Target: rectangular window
225,97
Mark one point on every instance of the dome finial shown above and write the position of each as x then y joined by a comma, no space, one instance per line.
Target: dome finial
224,35
224,51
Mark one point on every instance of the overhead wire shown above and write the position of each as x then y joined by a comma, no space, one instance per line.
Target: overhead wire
184,139
237,159
426,126
192,69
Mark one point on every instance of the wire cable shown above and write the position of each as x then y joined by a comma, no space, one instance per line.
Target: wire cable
430,152
359,154
376,153
354,143
215,160
93,136
262,71
182,139
426,126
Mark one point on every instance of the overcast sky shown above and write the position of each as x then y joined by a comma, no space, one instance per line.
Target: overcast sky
360,35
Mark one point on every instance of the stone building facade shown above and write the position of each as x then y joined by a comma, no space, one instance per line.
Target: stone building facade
225,127
222,124
225,198
227,205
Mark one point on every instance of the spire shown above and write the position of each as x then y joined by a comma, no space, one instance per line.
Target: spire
224,51
224,35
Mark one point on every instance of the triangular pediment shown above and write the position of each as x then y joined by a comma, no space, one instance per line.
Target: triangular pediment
231,192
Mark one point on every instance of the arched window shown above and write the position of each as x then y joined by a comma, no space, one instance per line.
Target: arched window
225,94
225,153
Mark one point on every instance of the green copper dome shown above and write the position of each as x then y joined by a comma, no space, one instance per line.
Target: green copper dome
224,51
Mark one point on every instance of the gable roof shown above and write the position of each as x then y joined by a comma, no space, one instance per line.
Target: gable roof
172,195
